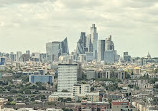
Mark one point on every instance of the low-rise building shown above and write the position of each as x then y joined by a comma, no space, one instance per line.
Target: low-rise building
122,105
41,78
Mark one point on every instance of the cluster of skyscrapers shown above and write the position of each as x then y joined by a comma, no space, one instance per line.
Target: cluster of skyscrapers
94,49
56,49
89,48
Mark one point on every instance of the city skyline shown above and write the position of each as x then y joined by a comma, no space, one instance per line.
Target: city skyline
29,25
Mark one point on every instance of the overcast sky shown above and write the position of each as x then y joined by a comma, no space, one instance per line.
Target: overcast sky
30,24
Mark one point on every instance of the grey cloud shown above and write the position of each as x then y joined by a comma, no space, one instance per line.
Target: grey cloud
5,2
49,20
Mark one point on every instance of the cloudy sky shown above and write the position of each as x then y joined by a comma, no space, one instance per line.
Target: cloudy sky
30,24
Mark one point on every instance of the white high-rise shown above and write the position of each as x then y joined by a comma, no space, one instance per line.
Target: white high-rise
67,77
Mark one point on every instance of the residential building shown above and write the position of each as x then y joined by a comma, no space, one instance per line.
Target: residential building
67,77
81,89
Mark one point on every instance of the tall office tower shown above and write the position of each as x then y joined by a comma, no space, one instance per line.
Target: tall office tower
110,56
2,60
126,57
25,57
109,45
81,44
101,50
18,56
43,57
28,52
94,37
67,77
35,57
53,51
83,38
12,56
64,47
89,43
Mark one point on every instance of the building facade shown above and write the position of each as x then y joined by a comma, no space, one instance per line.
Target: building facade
41,78
67,77
101,50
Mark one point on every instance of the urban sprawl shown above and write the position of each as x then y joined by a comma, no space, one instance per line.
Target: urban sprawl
92,78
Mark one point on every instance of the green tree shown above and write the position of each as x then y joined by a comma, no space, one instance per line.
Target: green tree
92,89
12,103
19,99
27,91
61,99
68,99
32,99
10,99
64,90
25,79
13,91
156,70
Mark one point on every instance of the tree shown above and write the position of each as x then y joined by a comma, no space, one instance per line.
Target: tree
153,80
64,90
68,99
61,99
51,103
19,99
155,101
32,99
66,109
92,89
27,91
13,103
13,91
113,87
43,97
8,88
10,99
25,79
110,101
156,86
130,86
127,75
156,70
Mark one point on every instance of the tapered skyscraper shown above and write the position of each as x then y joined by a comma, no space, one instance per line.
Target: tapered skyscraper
94,37
64,46
81,44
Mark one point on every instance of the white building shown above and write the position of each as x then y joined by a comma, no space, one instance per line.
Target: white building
67,77
56,95
81,89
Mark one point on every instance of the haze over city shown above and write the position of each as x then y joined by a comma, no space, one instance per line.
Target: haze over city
78,55
30,24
